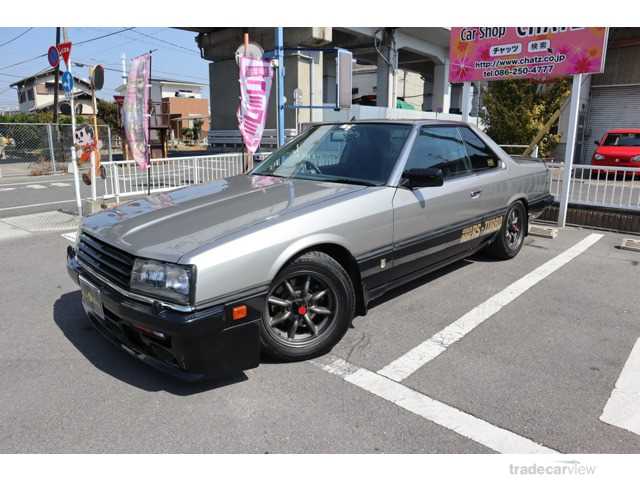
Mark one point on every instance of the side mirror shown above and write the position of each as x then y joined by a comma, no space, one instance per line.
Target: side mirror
423,177
597,143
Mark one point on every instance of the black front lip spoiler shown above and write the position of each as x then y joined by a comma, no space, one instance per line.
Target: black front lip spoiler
206,343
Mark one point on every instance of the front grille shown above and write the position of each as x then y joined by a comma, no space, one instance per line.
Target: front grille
110,262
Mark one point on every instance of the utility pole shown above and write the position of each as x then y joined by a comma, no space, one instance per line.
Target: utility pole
56,83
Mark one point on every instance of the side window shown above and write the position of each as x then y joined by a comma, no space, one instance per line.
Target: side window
439,147
482,157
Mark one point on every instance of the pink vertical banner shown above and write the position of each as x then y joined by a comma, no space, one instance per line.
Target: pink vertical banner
255,86
136,109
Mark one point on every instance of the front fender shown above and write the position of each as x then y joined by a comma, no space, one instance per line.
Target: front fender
303,244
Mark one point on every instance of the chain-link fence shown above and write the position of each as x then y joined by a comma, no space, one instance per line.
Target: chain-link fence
43,148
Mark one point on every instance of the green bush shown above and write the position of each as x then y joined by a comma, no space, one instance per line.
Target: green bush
515,110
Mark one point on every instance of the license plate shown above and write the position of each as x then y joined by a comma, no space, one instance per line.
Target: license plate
91,298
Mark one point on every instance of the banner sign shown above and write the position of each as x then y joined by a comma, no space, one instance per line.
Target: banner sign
255,85
541,53
136,110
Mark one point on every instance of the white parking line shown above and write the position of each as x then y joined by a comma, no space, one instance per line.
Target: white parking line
36,186
7,189
623,407
17,207
419,356
60,184
462,423
70,236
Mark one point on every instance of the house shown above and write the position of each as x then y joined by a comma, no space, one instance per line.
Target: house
181,103
36,92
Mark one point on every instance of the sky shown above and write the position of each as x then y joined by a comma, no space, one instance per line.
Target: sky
178,59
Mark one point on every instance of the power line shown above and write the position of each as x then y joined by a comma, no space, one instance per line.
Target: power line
16,37
167,42
76,44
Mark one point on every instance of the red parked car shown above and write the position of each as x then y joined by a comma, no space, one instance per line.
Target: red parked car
618,148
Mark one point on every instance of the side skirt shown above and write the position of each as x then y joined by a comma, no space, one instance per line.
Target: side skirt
374,293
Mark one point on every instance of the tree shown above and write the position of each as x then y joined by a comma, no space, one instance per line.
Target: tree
197,128
515,110
108,114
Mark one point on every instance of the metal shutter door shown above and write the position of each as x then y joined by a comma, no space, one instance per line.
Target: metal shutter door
611,107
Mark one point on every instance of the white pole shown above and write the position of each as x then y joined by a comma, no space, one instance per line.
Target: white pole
570,149
96,152
52,150
467,98
74,160
124,68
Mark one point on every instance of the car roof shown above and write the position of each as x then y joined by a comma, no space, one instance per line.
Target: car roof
624,130
417,121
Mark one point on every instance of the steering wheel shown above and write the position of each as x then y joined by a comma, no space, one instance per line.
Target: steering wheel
310,166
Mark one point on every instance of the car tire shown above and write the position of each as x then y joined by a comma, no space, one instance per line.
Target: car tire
289,308
509,240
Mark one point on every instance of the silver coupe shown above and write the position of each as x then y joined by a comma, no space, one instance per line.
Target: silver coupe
202,280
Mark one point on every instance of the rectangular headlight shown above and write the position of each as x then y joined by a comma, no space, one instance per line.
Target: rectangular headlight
166,281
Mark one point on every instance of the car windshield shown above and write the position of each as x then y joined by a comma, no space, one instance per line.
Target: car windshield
358,153
622,140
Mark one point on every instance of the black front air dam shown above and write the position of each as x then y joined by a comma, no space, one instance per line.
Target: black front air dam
206,343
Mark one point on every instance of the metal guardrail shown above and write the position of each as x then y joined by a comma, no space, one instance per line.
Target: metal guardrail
125,179
607,187
222,139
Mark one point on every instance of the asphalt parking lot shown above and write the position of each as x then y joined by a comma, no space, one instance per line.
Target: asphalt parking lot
517,356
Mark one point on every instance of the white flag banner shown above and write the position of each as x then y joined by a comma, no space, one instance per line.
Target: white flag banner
255,86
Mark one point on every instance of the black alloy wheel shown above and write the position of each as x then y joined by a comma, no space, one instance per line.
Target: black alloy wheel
308,308
509,240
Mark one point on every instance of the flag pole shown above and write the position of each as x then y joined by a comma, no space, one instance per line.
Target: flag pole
149,107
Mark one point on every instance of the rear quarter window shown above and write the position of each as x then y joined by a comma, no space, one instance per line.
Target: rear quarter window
481,156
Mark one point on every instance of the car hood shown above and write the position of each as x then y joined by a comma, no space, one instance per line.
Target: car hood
166,226
618,152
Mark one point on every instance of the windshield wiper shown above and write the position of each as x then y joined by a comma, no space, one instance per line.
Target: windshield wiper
268,175
352,181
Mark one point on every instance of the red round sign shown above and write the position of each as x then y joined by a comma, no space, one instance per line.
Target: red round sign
54,56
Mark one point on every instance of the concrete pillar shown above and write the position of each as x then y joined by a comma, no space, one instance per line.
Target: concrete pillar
329,77
386,74
441,88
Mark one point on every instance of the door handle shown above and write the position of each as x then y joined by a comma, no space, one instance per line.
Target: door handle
476,193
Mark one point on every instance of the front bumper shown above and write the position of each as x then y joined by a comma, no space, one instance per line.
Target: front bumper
192,346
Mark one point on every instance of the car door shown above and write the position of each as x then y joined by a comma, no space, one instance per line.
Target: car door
429,222
494,191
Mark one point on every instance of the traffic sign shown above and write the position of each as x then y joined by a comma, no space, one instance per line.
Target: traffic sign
54,56
65,51
67,82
